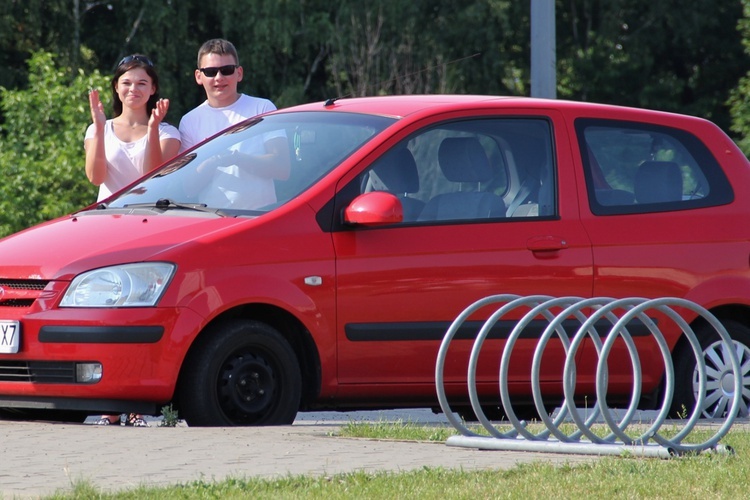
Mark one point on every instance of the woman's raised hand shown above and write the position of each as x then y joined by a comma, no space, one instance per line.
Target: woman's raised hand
97,109
159,112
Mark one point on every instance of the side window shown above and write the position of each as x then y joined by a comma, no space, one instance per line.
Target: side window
470,171
640,168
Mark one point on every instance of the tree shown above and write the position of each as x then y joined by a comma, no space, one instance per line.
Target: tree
41,145
662,55
739,100
26,26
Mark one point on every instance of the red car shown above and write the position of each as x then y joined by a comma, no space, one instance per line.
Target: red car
334,289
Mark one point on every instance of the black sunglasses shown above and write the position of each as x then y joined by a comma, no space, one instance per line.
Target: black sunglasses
128,59
225,70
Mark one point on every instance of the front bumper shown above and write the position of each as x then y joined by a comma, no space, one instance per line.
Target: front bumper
140,351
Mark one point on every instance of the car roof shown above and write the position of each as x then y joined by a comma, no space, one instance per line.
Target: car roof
397,105
401,106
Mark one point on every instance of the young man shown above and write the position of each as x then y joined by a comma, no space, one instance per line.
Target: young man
248,181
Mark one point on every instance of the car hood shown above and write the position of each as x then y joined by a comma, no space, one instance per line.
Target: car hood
63,248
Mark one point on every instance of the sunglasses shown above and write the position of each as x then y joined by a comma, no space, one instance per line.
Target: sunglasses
225,70
142,59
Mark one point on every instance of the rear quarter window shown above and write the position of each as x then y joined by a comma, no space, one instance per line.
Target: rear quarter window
639,168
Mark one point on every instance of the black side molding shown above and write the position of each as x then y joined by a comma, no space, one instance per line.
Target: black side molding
101,334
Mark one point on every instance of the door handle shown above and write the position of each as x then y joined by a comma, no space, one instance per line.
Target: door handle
546,243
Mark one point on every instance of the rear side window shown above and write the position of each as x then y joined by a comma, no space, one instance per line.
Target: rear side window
640,168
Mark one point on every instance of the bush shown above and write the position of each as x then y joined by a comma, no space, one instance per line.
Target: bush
42,159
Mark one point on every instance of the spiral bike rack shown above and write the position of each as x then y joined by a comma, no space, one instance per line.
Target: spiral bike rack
649,443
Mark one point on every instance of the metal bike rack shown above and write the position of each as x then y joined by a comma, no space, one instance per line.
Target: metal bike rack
584,440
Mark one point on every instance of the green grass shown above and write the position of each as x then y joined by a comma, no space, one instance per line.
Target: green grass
400,431
707,475
410,431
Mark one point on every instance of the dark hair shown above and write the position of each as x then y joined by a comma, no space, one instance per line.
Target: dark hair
128,63
217,46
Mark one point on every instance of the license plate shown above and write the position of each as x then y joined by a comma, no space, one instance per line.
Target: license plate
10,336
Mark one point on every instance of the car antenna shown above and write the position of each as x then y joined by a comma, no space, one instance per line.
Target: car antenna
331,100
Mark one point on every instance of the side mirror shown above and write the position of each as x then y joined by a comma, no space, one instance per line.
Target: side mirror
374,209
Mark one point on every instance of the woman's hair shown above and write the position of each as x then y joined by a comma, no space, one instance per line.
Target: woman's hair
125,65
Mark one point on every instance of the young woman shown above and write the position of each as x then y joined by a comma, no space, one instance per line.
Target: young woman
136,140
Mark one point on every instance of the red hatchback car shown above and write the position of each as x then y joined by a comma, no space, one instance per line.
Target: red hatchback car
335,289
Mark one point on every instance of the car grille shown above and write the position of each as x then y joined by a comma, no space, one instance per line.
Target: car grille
38,372
16,303
20,293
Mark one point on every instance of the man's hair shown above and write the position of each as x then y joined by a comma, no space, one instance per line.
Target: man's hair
218,46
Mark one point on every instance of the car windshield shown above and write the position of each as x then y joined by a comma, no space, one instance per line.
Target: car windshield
255,166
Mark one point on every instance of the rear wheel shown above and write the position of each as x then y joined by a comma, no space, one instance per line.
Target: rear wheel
240,373
720,388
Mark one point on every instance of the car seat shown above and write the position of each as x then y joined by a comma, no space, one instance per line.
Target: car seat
463,160
658,182
396,173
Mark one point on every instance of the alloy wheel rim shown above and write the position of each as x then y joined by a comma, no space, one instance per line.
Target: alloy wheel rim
720,390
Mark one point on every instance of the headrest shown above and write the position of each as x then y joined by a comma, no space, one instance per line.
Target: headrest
658,182
462,159
397,171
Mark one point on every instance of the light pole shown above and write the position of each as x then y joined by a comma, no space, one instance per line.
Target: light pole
543,59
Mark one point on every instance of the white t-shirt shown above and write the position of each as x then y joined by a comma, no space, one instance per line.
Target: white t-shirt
232,186
205,121
125,159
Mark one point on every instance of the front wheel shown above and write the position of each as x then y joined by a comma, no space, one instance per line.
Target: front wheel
240,373
720,389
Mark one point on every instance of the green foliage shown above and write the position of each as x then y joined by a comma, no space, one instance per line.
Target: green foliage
170,416
657,55
27,26
633,52
41,145
739,100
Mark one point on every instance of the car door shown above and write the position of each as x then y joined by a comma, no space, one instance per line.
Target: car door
489,208
659,218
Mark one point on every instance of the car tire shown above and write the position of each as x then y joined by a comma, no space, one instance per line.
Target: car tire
719,375
240,373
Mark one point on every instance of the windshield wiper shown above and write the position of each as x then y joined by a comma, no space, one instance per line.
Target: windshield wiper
166,204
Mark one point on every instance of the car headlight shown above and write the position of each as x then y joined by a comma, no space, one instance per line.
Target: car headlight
127,285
